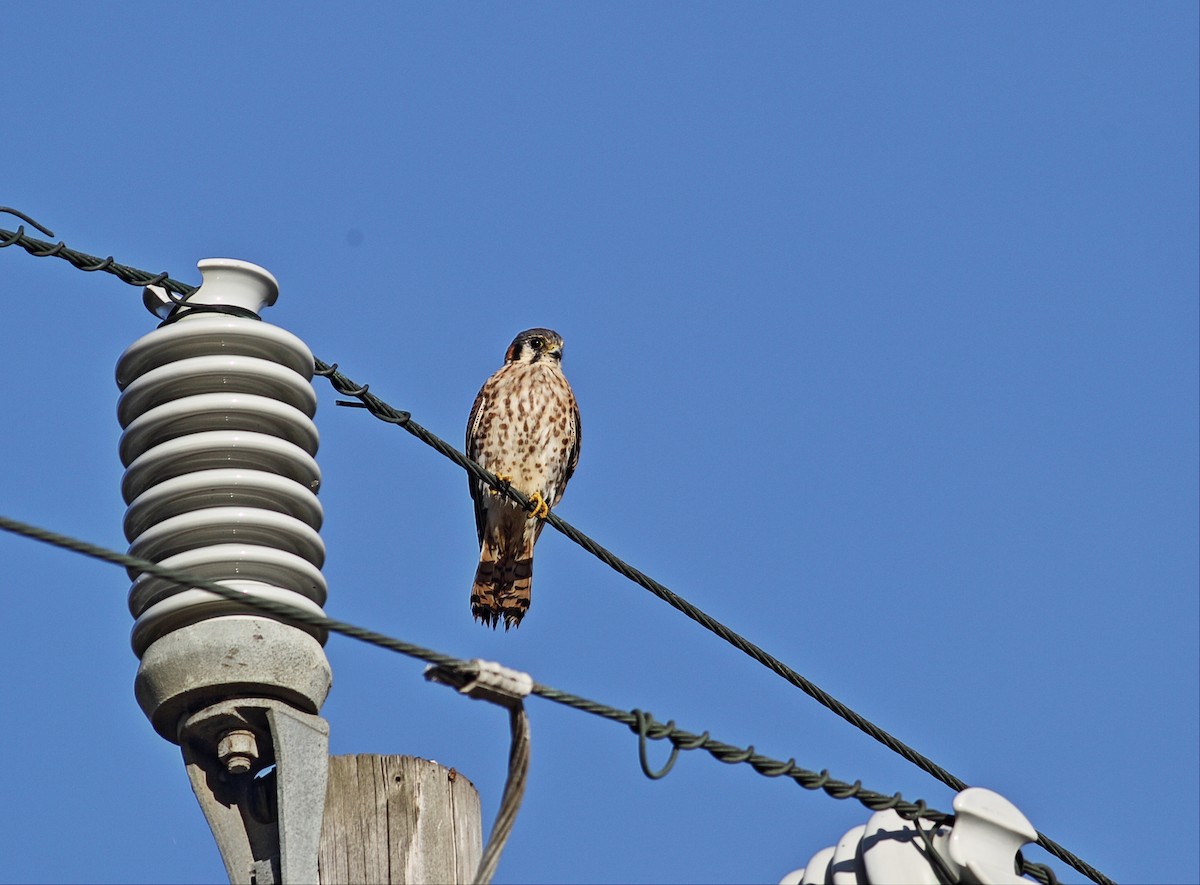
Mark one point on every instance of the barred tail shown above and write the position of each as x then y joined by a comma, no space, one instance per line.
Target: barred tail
502,588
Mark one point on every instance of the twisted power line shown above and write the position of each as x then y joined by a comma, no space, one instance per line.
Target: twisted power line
641,723
644,724
81,260
385,412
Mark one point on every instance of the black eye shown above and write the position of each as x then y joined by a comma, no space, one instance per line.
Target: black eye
537,343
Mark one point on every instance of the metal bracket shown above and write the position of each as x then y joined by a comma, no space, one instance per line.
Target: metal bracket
260,769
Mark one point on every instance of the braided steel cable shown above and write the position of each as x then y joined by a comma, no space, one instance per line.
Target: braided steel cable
642,723
280,610
645,726
387,413
89,263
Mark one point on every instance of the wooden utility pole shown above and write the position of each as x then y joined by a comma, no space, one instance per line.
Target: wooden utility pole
398,819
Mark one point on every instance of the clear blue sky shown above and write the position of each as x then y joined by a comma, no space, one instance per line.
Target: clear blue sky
883,323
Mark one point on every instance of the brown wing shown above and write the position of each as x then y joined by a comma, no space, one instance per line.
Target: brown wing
573,457
472,450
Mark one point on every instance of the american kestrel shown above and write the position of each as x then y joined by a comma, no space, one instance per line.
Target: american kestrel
524,427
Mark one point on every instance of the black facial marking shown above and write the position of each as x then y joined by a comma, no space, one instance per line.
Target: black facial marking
534,344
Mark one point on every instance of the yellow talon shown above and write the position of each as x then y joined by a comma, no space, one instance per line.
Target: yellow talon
503,477
540,508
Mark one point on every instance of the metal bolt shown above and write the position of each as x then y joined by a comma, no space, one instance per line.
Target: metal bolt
237,751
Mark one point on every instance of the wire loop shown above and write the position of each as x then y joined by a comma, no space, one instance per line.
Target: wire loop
644,720
50,251
399,418
775,769
99,265
158,280
742,756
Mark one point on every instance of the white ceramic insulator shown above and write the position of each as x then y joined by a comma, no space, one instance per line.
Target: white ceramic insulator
218,447
979,849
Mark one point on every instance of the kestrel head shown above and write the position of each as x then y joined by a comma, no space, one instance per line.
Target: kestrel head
536,345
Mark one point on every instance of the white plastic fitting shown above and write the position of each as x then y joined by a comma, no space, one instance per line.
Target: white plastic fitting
485,681
979,849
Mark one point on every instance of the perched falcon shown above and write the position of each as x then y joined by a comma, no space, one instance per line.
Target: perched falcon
524,427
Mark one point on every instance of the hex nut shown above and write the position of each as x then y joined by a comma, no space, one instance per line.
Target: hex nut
237,751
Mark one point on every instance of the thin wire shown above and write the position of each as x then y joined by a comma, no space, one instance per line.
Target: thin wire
1039,871
510,799
385,412
8,210
935,860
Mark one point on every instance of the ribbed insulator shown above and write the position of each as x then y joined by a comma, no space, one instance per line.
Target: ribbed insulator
218,447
